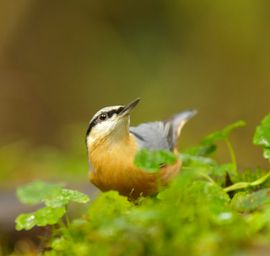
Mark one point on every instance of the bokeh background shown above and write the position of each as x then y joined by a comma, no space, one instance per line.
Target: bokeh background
61,61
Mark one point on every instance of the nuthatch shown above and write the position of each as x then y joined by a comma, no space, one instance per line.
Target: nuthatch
112,145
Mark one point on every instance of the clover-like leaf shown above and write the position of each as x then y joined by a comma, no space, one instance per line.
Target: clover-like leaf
65,196
55,198
243,201
35,192
262,136
42,217
151,161
223,134
108,204
60,244
53,195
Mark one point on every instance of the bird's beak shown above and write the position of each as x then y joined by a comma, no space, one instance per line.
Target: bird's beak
129,107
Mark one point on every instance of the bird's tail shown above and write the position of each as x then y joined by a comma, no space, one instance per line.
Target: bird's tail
177,122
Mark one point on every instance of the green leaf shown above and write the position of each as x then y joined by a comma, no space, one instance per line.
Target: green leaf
250,201
42,217
25,221
53,195
65,196
208,144
262,136
106,206
55,198
223,134
266,153
35,192
258,220
151,161
60,244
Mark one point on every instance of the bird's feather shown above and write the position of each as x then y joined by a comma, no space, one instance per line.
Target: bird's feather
162,135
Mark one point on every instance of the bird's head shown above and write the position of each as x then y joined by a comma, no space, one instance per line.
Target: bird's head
109,123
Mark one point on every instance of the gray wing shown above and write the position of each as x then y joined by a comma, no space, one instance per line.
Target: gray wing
163,134
152,136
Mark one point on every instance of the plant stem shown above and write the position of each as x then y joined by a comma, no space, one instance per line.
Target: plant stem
208,178
233,157
243,185
67,216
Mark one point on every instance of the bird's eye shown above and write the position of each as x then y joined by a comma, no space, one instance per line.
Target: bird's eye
103,117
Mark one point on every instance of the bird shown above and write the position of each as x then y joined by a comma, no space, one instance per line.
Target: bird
112,145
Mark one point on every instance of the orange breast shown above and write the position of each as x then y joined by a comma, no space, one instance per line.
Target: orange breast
113,169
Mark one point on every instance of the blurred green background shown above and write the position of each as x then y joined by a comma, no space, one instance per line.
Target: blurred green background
61,61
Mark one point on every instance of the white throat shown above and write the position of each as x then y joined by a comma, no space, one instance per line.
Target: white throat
111,131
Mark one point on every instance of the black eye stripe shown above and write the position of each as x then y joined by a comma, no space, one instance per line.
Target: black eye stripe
96,119
114,111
